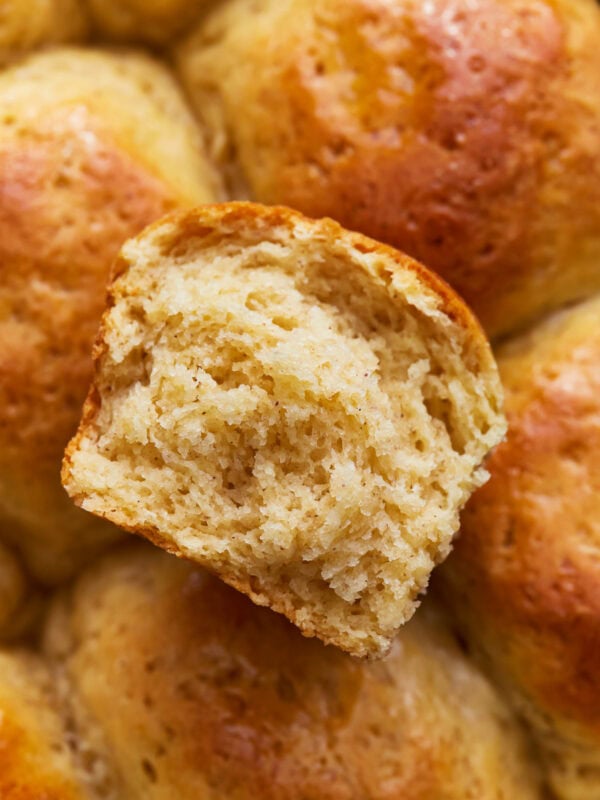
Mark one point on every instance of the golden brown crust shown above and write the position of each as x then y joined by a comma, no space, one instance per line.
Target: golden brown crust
54,294
221,699
72,189
525,574
49,255
34,760
462,133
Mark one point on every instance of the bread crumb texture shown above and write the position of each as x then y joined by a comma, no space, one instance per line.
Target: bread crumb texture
298,408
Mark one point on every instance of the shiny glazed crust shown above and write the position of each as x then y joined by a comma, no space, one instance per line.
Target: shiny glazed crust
464,133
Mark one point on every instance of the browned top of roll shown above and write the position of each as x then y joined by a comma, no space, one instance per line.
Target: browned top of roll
197,693
465,133
93,147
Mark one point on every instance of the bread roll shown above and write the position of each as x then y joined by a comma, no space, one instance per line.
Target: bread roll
198,694
525,575
93,146
35,761
299,408
465,133
153,21
28,24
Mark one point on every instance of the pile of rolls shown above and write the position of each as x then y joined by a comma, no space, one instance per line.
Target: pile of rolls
463,133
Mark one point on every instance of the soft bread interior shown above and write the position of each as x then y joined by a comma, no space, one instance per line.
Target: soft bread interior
291,413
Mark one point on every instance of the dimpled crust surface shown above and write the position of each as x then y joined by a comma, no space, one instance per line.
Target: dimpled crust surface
152,21
464,132
35,762
297,407
28,24
525,574
197,693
